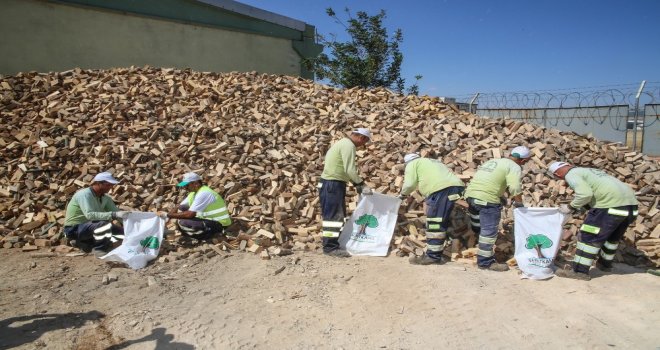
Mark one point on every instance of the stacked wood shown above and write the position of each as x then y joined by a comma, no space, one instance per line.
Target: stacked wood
260,140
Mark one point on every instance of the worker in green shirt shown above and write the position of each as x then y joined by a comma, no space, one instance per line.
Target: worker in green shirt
442,189
484,197
339,168
89,214
613,207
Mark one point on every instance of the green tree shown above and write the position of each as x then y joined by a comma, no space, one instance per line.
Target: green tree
150,242
537,242
369,59
365,221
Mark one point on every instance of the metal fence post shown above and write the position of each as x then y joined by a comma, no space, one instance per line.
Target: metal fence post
476,96
639,93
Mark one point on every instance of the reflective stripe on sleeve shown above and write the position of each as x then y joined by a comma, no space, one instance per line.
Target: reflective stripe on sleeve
454,197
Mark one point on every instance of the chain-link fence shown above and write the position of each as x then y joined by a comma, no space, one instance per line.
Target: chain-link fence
626,114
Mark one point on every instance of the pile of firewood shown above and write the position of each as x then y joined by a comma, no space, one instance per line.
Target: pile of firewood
259,140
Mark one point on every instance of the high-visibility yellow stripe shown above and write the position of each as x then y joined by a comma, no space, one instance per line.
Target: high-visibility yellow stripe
611,246
587,248
617,212
583,261
434,226
606,256
436,235
487,240
475,224
590,229
319,185
485,253
635,212
434,247
330,234
434,219
332,223
454,197
480,202
212,212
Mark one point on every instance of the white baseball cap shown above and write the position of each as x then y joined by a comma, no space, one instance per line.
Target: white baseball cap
105,176
410,156
364,132
520,152
556,166
188,178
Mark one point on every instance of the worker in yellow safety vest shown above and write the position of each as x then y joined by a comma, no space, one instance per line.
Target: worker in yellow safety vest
203,213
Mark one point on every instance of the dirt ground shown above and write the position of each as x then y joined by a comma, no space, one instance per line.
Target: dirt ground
310,301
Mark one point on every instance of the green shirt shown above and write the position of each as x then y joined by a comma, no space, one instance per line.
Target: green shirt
598,189
86,206
429,175
492,178
340,163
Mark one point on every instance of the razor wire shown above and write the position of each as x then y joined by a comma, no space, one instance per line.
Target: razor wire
563,107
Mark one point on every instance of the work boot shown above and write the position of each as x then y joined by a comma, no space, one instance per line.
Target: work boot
424,260
496,267
85,247
98,253
338,253
604,267
572,274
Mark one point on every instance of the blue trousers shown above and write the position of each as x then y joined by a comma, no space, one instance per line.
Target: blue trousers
94,234
484,221
199,228
333,212
438,211
600,234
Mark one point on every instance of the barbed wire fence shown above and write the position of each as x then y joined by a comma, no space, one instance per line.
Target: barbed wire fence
626,113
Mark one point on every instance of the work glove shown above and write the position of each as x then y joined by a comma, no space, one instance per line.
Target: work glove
358,187
570,210
517,204
366,190
120,214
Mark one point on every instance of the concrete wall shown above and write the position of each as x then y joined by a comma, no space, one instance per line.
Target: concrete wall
45,36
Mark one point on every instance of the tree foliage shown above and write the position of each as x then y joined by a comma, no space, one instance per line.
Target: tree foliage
371,58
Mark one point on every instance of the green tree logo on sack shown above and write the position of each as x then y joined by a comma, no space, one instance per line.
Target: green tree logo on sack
537,242
150,242
365,221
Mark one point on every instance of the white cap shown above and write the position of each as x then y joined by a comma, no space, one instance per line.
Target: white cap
556,166
105,176
364,132
521,152
188,178
410,156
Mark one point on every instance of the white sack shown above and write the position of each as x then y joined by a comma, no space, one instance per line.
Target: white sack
143,235
369,230
538,236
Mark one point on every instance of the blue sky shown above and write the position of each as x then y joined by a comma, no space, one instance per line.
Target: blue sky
461,47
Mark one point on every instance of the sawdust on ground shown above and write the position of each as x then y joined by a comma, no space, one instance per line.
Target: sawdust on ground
238,301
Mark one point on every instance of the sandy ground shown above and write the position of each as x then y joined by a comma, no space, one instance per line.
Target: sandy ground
237,301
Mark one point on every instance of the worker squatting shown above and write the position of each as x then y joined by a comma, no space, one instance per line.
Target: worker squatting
92,217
